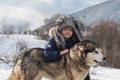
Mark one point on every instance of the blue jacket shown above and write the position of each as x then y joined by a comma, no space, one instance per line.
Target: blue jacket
52,53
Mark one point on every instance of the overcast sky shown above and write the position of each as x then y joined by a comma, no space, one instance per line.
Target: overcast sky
35,11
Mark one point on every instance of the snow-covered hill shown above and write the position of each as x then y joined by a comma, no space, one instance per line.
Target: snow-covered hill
11,45
109,10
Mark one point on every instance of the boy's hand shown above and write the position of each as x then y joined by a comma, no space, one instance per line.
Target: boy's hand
64,52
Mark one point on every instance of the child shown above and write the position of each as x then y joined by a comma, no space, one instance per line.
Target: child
65,34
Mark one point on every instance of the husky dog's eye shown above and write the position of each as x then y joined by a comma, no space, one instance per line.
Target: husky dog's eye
96,52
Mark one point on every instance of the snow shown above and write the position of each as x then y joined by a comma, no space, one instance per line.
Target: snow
5,70
105,73
8,48
11,43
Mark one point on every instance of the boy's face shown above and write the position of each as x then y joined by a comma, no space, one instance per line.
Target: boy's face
67,32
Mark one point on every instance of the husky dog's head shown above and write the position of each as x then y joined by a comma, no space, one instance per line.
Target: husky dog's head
88,52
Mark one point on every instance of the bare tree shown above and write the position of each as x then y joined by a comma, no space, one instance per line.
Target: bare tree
22,28
20,47
7,28
116,42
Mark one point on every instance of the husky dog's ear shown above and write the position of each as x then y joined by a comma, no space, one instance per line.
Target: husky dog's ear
89,47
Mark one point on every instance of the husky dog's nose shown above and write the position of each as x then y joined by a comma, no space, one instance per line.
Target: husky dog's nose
104,58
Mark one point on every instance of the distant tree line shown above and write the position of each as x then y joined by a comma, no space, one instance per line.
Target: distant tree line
12,29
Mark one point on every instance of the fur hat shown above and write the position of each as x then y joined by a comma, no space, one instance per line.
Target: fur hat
61,22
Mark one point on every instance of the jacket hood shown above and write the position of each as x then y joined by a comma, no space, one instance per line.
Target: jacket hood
61,22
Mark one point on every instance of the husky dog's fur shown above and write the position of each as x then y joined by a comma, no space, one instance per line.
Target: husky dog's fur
75,65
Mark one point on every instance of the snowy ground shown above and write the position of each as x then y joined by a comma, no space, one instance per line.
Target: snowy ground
5,70
105,73
9,46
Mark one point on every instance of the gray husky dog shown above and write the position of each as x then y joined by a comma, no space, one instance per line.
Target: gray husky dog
31,65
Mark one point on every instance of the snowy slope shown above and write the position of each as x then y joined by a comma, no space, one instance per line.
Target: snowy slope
105,73
109,10
10,43
5,70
